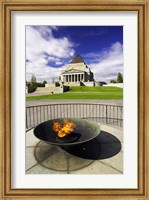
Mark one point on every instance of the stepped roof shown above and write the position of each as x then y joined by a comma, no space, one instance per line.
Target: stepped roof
77,59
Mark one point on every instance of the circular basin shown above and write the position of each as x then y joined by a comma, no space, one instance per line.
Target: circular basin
85,130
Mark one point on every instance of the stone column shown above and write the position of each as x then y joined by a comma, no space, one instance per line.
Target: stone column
72,77
81,77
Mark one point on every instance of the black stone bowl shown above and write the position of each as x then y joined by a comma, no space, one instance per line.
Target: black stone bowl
68,138
85,131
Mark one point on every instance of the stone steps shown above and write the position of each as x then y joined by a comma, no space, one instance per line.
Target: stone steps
49,90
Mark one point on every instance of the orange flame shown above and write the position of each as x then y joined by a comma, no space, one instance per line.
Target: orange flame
63,129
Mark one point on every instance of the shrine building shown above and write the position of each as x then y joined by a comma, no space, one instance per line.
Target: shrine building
77,73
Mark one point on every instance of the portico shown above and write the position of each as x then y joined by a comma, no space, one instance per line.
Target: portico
75,77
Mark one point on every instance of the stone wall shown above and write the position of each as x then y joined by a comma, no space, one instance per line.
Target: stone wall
120,85
91,83
56,90
72,84
52,90
49,90
98,83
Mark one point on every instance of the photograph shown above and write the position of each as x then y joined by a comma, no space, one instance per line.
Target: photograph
74,99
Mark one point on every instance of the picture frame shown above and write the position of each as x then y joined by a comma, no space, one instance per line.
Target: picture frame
7,7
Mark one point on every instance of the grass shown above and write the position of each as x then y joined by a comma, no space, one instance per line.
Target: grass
77,92
94,89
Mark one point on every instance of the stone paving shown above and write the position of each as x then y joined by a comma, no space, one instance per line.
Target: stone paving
102,155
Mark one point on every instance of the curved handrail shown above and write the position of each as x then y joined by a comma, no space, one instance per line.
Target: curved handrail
105,113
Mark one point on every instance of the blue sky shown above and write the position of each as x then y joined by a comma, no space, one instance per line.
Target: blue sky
49,49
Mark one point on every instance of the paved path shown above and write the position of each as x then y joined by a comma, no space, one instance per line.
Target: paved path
59,101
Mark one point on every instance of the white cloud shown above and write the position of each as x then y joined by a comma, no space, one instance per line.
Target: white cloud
110,62
42,47
42,71
58,63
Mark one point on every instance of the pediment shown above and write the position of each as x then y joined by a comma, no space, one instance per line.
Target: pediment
73,71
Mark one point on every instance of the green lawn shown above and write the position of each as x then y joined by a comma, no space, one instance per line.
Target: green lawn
85,93
94,89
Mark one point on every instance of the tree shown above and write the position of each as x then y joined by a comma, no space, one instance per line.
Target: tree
113,81
33,79
53,80
33,84
44,82
119,78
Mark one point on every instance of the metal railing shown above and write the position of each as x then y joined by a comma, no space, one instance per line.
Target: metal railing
108,114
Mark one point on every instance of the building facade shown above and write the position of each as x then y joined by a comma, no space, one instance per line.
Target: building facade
77,73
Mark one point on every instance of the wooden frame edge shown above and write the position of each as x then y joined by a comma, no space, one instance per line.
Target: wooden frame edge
142,193
1,103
